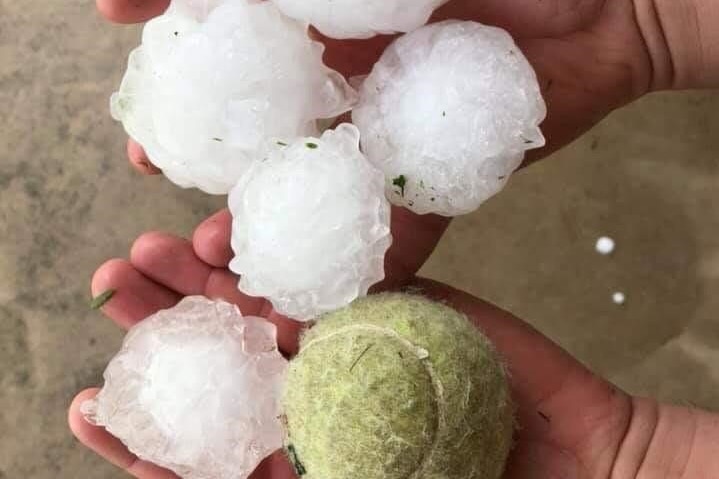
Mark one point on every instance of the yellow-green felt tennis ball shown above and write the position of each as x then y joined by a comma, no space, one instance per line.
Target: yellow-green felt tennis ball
396,386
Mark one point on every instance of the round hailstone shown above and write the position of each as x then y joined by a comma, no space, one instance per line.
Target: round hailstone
213,80
310,225
619,298
605,245
196,389
361,18
447,113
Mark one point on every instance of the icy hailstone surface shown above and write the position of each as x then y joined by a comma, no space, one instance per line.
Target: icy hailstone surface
213,80
360,18
447,113
195,389
311,225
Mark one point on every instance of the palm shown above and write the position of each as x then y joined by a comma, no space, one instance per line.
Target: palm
570,421
588,55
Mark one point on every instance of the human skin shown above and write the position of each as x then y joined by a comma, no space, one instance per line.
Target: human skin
572,423
591,56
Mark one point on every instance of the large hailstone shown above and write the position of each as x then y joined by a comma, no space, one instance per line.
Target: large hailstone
196,389
310,225
213,80
447,113
361,18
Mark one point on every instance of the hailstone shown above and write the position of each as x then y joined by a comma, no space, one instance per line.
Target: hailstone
618,298
195,389
447,113
605,245
213,79
361,18
311,225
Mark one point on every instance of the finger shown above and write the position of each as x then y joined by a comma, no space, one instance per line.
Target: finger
576,97
171,262
131,11
354,57
222,284
414,238
136,296
139,160
518,342
276,466
211,239
525,18
110,448
546,381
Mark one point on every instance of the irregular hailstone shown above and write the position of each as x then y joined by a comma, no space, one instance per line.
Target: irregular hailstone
213,80
361,18
196,389
447,113
310,225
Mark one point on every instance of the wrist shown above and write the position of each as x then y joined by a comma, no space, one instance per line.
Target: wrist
668,442
682,41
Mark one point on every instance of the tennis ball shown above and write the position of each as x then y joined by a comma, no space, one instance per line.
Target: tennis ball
396,386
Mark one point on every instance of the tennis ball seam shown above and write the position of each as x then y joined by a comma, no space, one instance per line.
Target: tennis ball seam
422,355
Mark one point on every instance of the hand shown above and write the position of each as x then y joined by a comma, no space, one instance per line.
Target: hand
590,56
573,424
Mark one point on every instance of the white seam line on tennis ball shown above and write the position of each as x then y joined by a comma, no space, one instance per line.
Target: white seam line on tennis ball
421,354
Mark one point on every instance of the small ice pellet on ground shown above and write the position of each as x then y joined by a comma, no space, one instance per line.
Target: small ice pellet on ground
360,18
214,79
619,298
310,225
196,389
447,113
605,245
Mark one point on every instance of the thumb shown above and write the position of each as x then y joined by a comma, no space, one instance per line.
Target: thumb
559,401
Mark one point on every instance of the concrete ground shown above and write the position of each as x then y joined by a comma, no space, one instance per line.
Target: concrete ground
648,176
